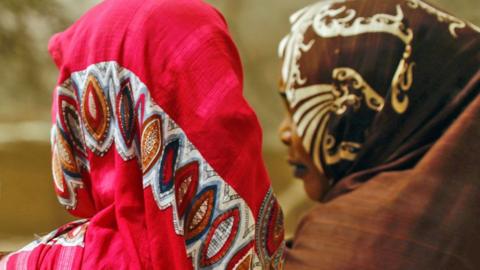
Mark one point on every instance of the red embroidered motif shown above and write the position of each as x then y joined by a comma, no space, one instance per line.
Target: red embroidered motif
242,260
65,154
70,120
220,237
269,235
200,215
140,110
95,110
186,184
65,170
126,113
167,166
275,230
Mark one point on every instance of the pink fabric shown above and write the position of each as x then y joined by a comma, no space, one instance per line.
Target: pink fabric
155,146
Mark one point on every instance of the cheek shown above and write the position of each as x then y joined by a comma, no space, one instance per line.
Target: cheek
313,187
315,183
297,141
297,144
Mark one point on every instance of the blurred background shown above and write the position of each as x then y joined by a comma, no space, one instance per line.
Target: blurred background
28,205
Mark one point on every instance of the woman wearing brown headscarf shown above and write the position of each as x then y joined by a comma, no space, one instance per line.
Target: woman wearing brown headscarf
383,127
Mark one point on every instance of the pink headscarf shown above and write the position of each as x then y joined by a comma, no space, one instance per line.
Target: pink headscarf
155,146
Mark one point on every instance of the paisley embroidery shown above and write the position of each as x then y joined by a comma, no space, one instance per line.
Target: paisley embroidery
200,215
213,218
95,110
167,165
151,142
70,119
65,186
140,108
65,154
186,184
126,113
220,237
68,147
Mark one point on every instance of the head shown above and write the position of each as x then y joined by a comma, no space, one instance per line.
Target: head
326,86
314,180
358,86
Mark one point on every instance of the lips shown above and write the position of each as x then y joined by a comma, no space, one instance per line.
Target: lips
299,169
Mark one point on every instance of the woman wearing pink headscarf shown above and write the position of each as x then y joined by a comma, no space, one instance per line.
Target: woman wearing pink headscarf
155,146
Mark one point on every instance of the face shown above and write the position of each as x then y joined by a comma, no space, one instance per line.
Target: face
314,181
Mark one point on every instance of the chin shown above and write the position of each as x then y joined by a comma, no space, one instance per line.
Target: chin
313,187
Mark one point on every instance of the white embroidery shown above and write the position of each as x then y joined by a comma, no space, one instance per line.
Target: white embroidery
454,22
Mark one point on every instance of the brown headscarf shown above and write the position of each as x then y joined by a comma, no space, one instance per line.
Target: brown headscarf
385,97
375,83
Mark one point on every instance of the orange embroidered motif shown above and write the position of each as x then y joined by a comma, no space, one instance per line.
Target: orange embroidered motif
70,121
151,145
199,216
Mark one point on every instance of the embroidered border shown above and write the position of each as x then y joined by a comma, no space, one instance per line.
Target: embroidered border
117,107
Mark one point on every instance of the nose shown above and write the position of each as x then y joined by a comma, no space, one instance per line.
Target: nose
285,131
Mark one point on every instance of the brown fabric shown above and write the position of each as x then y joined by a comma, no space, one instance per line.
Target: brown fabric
375,83
423,218
406,180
